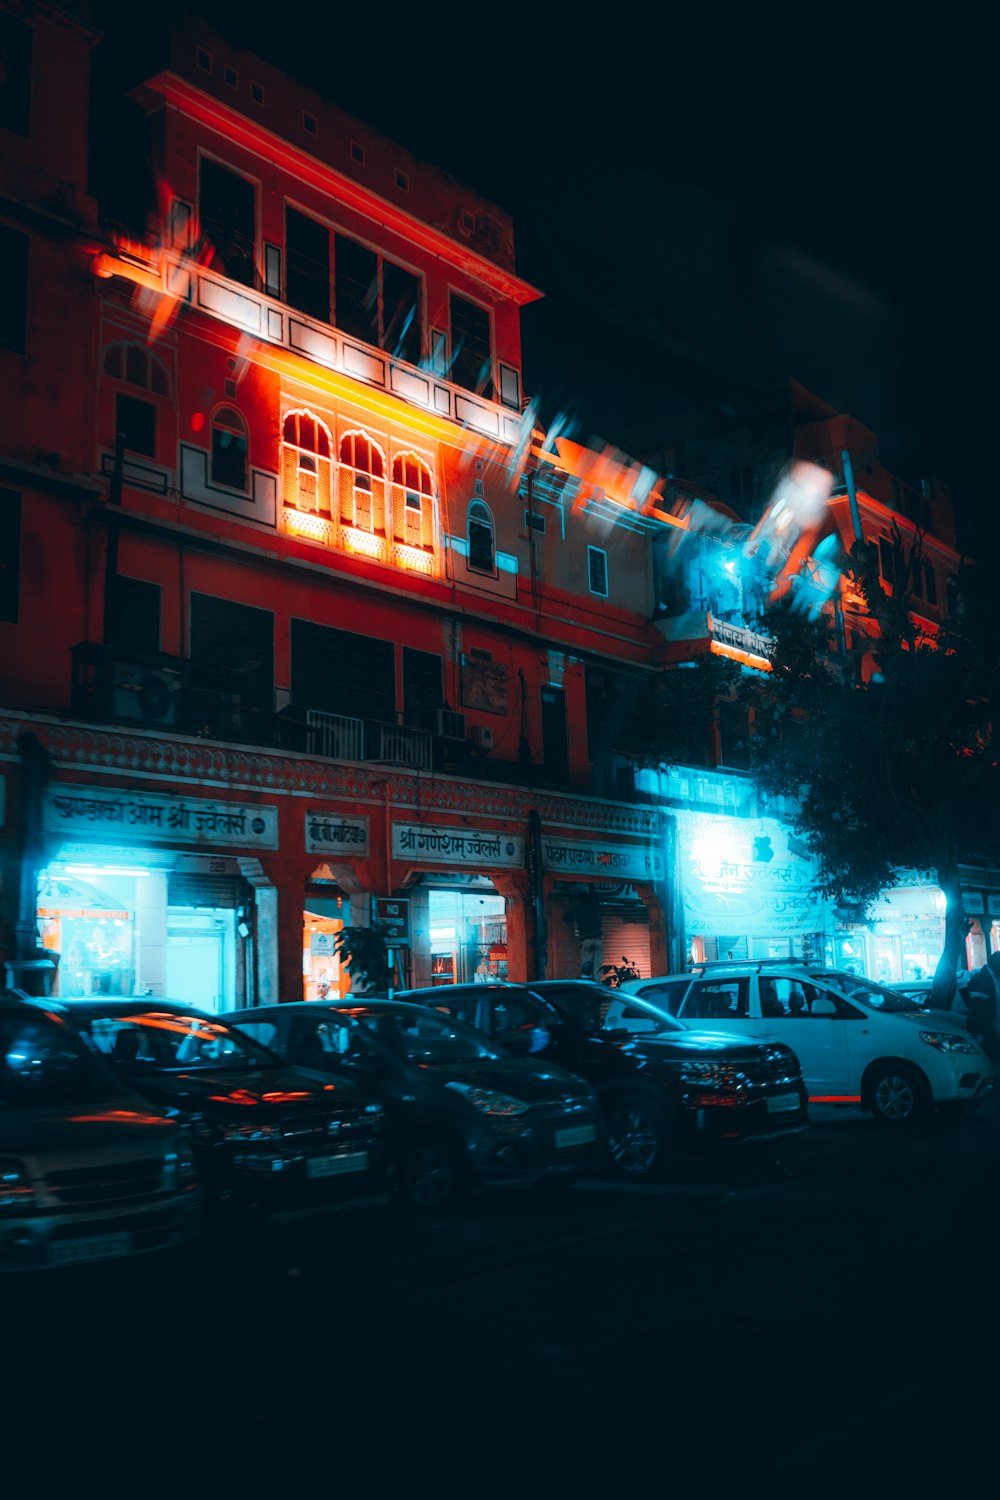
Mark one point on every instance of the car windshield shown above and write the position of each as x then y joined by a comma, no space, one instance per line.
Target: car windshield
416,1035
630,1013
43,1063
142,1040
857,987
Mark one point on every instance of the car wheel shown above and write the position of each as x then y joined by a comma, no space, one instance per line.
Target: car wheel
898,1095
429,1176
637,1138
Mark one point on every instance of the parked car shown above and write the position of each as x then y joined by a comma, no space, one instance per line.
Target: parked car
919,992
461,1112
266,1138
88,1171
858,1042
678,1091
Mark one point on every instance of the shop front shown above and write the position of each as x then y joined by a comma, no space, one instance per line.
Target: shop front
749,889
338,847
602,906
466,888
148,893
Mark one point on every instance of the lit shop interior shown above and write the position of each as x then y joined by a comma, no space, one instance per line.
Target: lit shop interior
117,926
468,933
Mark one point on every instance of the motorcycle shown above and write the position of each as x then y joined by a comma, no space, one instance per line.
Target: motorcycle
615,975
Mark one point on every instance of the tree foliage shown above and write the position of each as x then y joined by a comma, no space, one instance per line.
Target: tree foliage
364,951
899,771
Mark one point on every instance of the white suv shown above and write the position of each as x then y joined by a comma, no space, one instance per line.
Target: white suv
857,1042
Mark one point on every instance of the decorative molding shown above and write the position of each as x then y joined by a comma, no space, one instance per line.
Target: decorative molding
144,756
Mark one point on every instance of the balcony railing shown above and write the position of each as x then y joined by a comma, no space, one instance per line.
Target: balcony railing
152,691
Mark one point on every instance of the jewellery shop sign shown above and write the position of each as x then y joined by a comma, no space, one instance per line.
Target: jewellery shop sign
151,818
456,846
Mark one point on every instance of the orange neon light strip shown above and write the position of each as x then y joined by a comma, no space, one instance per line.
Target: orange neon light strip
834,1098
760,663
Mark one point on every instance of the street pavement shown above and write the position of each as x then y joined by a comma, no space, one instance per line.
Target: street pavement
825,1312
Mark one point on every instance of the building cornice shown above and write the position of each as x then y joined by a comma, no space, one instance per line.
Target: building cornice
142,757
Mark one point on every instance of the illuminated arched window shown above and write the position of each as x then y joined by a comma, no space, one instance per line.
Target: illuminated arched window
361,483
412,501
482,551
229,449
306,465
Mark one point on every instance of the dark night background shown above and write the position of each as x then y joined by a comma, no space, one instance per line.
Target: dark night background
708,204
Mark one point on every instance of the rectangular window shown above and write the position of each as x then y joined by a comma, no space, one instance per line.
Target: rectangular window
228,209
534,522
377,301
339,672
135,420
887,560
237,641
356,290
597,570
471,347
422,695
401,313
15,74
13,289
307,248
272,271
135,614
10,554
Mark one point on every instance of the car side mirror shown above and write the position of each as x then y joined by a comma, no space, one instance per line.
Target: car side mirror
617,1034
823,1006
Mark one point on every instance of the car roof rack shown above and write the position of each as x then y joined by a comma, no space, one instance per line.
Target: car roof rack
752,963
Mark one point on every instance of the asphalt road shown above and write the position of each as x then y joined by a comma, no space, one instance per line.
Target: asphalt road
823,1316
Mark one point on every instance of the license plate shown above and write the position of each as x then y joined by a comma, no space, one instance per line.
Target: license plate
778,1103
332,1166
577,1135
98,1247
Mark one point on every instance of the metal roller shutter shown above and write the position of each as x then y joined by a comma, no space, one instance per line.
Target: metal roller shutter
203,890
626,934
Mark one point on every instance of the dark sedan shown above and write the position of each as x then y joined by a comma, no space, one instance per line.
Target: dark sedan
266,1137
461,1112
660,1095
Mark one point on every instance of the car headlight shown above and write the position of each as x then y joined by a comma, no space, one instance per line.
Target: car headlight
488,1102
247,1132
15,1189
948,1041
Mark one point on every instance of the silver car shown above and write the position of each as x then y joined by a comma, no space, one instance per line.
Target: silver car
857,1042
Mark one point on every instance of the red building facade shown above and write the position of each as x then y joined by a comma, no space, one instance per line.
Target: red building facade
295,614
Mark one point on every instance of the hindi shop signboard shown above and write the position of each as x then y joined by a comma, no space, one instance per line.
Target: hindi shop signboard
329,833
148,817
437,845
603,861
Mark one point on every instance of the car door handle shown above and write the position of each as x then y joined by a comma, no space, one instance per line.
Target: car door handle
767,1033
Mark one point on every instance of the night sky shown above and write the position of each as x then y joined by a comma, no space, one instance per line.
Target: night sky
708,204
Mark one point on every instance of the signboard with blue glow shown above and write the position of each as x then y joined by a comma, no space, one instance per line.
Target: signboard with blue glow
748,875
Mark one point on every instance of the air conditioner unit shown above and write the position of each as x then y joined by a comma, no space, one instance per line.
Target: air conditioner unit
144,695
448,724
482,736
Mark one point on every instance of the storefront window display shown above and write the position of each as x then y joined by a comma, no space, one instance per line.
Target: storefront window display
468,933
92,929
122,929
